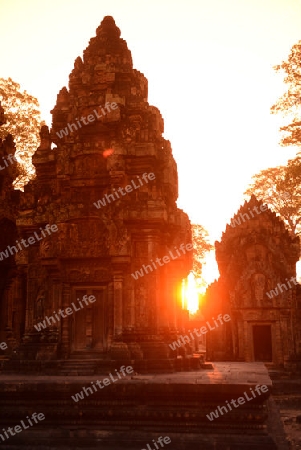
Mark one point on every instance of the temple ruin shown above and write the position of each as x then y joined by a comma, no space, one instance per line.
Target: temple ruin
257,287
92,256
107,179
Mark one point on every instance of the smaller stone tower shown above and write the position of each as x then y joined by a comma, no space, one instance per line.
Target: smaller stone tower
257,261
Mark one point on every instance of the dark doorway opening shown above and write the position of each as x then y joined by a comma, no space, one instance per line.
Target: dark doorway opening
262,342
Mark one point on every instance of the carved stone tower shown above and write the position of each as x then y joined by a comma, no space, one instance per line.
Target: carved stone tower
257,287
110,186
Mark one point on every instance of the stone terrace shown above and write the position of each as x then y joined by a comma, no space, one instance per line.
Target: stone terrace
139,408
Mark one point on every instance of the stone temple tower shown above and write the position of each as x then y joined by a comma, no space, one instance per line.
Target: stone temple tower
107,179
257,287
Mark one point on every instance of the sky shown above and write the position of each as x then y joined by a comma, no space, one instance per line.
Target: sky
209,65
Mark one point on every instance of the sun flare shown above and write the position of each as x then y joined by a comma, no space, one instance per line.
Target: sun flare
190,296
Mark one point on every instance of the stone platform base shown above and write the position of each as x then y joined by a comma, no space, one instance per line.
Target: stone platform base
83,366
131,440
135,410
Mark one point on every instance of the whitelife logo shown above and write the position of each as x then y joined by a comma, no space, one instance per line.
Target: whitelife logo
90,118
105,381
42,325
274,292
203,330
18,428
166,440
3,346
31,240
237,221
166,260
11,159
128,189
240,400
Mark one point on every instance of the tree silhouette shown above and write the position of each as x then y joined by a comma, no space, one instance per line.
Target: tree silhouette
201,246
22,120
290,102
280,188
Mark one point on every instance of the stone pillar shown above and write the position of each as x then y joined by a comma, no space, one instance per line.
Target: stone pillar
89,332
131,300
8,296
278,346
8,306
7,302
19,306
241,342
65,338
285,333
119,350
117,295
29,307
246,342
111,326
166,302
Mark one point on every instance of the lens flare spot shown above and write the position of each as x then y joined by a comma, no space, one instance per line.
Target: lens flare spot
108,152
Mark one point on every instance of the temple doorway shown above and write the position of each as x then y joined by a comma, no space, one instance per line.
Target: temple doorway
262,343
89,324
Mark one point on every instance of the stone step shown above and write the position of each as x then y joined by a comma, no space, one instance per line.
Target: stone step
80,362
130,413
74,367
93,355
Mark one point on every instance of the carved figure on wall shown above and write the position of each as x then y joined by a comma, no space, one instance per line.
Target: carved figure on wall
40,304
111,234
123,242
45,247
258,285
141,307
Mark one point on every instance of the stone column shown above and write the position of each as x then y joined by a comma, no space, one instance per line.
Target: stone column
283,331
246,341
117,295
119,350
65,338
241,341
7,302
110,314
166,308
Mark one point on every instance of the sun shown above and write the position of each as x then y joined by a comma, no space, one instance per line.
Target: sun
192,291
190,296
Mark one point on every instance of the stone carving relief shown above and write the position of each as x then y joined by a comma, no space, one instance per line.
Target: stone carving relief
40,304
81,239
141,304
89,162
45,248
258,287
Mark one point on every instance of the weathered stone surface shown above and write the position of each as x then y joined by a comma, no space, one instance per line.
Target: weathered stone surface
254,257
94,252
132,411
108,143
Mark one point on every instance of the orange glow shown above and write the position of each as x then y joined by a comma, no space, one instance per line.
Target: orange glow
209,28
108,152
190,296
